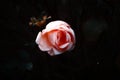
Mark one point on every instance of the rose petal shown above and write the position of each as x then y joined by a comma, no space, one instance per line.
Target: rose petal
53,52
57,25
56,52
68,37
42,42
38,38
61,37
64,45
52,35
70,46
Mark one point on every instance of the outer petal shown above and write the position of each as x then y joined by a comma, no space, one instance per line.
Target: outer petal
42,42
54,52
57,25
38,38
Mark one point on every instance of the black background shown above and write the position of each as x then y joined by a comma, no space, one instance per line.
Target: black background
95,56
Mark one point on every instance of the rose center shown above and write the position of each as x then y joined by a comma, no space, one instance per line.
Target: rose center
61,38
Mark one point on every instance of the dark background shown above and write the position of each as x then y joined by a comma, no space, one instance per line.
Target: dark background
95,56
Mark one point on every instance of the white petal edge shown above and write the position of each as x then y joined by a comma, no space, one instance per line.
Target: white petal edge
64,45
56,52
38,38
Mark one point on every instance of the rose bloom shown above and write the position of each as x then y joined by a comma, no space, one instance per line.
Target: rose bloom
58,37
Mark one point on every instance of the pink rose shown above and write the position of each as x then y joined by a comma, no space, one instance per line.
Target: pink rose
56,38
